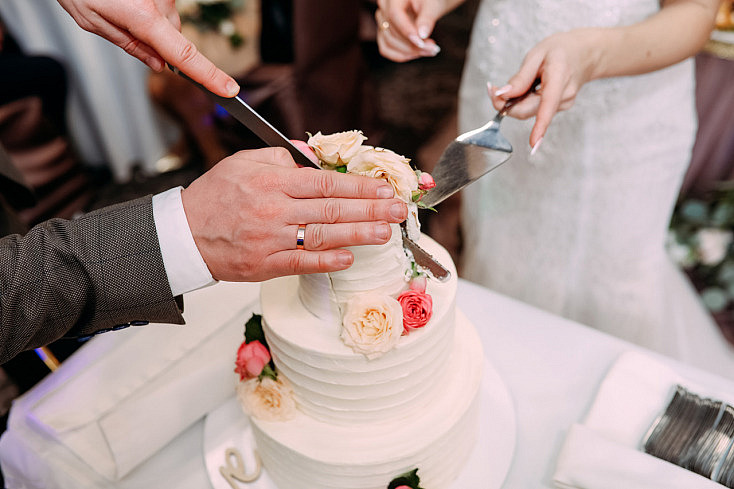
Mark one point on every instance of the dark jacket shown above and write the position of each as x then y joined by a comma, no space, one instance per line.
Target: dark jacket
100,272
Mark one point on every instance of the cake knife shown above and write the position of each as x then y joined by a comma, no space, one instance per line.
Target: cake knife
241,111
238,109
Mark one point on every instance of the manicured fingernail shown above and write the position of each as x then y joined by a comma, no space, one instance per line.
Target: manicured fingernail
345,258
385,192
232,88
424,32
431,50
417,41
535,148
398,211
489,88
503,90
382,231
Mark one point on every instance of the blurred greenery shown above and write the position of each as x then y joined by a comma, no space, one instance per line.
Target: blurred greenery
701,241
217,16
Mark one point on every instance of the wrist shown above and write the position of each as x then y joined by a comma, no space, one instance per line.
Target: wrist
599,42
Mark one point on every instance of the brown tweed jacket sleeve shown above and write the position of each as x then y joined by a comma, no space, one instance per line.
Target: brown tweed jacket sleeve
100,272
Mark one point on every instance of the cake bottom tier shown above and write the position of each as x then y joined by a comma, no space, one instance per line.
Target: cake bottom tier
304,453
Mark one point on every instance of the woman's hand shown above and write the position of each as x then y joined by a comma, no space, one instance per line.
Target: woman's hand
563,62
404,27
150,31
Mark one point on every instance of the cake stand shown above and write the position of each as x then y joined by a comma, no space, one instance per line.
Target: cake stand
487,467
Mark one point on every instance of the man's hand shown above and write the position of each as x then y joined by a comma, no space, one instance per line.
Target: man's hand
244,215
150,31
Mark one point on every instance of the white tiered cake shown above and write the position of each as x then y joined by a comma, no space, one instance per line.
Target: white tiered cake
369,409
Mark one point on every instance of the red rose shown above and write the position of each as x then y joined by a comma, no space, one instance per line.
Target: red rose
417,309
251,359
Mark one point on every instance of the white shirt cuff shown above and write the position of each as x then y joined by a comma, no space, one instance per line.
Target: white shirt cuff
185,267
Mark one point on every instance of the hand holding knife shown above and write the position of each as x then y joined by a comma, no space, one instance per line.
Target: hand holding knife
272,137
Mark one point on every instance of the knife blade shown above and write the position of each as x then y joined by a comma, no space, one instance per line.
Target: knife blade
422,258
240,110
245,114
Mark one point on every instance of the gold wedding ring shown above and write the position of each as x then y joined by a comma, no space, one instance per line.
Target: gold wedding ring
300,235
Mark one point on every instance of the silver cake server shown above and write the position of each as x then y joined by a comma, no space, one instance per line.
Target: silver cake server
472,155
245,114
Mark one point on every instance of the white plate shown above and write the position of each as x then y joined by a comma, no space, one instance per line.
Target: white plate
487,467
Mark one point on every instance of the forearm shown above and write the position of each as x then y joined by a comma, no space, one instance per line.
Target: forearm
78,277
679,30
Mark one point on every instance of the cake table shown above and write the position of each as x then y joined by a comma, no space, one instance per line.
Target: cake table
552,368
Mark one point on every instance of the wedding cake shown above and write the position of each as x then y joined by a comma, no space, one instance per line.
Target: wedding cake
367,378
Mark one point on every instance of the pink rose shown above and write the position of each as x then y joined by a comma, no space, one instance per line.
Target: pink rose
418,284
426,181
251,359
417,309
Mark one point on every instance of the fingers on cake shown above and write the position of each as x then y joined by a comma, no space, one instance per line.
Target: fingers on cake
366,378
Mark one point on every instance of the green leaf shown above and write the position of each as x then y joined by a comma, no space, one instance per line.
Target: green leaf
268,371
723,214
236,40
421,205
341,169
726,273
254,330
695,211
409,479
715,298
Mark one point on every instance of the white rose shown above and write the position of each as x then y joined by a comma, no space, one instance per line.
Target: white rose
267,399
227,28
383,163
712,245
680,253
336,149
372,324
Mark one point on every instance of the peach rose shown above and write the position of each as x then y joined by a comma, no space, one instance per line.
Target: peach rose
383,163
372,324
267,399
417,309
336,149
251,359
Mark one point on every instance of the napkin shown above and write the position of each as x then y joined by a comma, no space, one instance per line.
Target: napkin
125,404
604,451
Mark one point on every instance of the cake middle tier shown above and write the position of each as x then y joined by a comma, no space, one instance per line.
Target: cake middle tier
333,383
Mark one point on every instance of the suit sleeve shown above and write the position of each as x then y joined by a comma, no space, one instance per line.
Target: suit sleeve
99,272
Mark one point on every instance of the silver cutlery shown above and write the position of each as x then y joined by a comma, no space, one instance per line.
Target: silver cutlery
695,433
472,155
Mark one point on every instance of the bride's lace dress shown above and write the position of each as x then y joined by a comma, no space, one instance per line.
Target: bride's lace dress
579,228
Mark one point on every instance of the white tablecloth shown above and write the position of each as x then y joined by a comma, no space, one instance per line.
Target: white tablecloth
111,118
551,366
